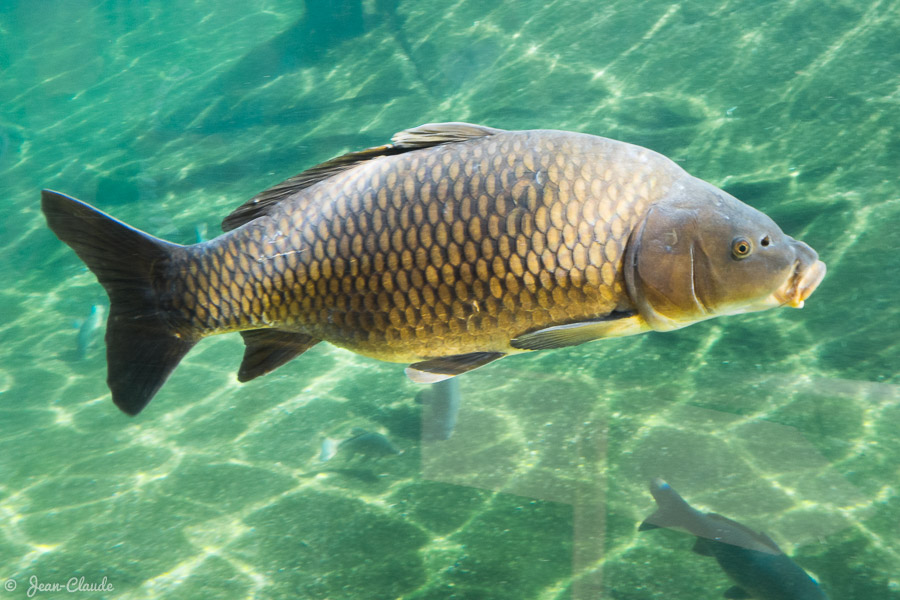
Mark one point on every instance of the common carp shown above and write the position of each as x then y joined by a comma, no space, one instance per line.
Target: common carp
751,559
449,248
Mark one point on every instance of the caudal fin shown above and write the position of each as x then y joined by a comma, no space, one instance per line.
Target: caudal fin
144,340
672,510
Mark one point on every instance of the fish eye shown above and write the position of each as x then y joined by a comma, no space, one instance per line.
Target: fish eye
765,241
740,248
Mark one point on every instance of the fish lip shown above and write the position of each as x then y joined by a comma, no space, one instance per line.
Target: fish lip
802,284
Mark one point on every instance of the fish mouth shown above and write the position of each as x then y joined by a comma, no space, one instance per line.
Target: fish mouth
802,284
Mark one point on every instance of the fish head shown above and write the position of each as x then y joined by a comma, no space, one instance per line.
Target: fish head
700,253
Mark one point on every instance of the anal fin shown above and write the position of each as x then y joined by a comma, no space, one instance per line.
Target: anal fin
268,349
445,367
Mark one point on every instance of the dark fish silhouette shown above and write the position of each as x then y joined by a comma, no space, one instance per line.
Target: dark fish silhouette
324,24
450,248
751,559
231,101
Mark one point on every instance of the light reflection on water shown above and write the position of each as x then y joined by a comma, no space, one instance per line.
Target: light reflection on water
783,421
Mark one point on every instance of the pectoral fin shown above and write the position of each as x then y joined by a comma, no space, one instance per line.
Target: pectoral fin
617,324
268,349
439,369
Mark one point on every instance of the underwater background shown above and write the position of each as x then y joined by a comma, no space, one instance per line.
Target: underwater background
169,115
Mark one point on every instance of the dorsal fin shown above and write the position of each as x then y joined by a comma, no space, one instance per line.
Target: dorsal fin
434,134
423,136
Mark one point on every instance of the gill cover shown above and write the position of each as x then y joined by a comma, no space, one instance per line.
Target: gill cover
661,270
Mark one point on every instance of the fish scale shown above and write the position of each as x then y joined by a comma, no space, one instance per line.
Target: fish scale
452,247
436,253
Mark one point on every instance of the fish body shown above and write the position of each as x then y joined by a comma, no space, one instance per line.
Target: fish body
367,444
440,408
452,247
751,559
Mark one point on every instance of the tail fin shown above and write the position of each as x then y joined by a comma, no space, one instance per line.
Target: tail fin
144,341
672,510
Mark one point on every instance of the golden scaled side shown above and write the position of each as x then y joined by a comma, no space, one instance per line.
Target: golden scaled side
445,250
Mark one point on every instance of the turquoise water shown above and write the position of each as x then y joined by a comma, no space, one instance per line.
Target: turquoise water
168,115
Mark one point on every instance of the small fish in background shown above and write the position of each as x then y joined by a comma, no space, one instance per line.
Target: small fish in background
751,559
440,407
367,444
87,330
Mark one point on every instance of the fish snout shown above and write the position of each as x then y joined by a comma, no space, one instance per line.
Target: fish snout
808,274
809,281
